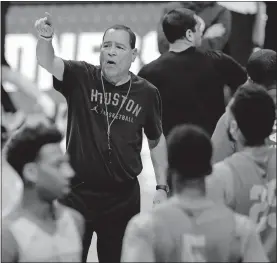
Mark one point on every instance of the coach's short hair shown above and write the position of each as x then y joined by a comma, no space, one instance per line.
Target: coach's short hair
254,111
189,152
176,23
24,145
261,67
132,35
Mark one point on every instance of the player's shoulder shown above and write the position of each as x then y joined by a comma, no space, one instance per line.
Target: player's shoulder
244,226
222,166
168,212
12,218
221,169
142,225
10,223
72,212
238,160
77,218
143,220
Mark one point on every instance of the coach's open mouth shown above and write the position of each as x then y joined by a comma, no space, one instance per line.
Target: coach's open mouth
110,62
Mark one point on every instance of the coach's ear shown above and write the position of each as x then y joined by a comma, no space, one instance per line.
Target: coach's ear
134,54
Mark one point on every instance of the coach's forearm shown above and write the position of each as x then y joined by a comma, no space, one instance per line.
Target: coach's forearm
47,59
158,151
45,54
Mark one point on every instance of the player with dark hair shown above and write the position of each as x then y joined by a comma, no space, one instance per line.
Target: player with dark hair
189,227
41,229
261,68
108,109
246,181
191,82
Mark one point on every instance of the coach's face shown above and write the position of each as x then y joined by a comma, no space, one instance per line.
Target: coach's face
116,54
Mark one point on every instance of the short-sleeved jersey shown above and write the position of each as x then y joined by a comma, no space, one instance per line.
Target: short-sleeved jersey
87,140
33,243
11,189
246,182
191,231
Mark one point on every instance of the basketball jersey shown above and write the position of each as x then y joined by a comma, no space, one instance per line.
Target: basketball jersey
203,234
254,187
11,189
36,245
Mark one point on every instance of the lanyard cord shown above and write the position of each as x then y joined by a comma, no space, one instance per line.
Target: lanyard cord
109,124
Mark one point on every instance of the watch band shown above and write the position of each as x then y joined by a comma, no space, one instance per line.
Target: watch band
162,187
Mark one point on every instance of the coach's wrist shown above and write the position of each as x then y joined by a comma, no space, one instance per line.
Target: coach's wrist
162,187
46,38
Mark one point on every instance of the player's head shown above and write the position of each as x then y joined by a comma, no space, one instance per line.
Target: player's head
189,156
261,67
117,51
252,114
34,152
182,24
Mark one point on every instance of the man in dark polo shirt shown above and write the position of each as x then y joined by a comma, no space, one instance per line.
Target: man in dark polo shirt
191,82
108,109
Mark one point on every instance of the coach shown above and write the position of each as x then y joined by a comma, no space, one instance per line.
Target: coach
108,109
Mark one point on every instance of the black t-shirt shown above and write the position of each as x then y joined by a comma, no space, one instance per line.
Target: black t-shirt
87,140
191,86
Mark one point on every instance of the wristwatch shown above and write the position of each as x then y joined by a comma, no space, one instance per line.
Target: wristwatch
162,187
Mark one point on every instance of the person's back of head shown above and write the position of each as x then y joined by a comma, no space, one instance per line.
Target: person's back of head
189,154
261,68
25,144
254,113
178,24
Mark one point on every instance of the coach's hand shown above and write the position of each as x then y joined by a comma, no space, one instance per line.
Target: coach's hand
44,27
160,196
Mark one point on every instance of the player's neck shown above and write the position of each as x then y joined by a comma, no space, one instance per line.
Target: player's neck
192,193
192,189
239,146
33,205
179,46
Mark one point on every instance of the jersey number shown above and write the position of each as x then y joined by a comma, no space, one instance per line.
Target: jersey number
192,245
266,198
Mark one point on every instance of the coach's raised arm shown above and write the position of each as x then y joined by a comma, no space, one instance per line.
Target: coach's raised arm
45,52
